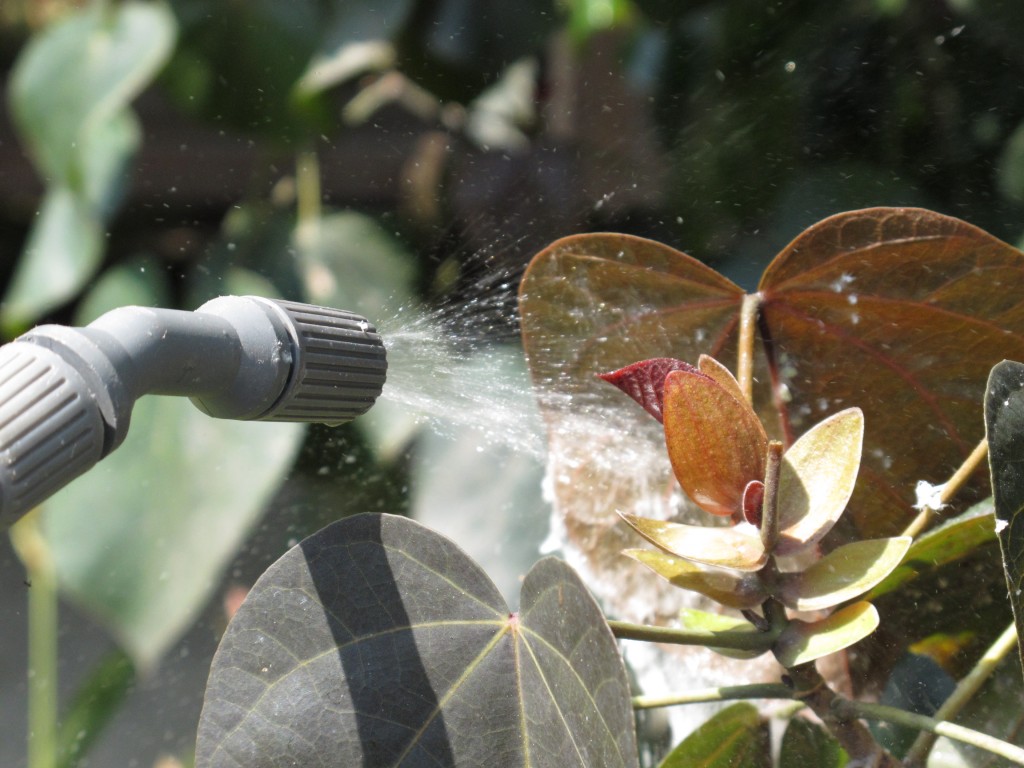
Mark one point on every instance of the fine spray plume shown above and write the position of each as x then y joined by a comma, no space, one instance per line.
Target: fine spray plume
66,394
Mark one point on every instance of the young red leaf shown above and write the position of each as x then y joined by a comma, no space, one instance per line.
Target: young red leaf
715,442
645,381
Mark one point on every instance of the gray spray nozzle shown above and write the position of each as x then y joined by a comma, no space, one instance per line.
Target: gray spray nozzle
66,394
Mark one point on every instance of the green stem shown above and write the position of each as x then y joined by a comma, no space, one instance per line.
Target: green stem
307,188
745,360
722,693
42,641
748,641
964,692
933,725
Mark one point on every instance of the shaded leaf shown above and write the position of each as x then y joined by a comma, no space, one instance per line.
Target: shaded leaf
1004,424
69,95
374,642
808,745
644,381
944,544
716,443
691,618
816,479
95,703
729,589
804,641
734,737
843,574
721,547
358,39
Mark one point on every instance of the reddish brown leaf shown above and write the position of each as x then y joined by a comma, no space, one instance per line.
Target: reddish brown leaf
593,303
644,381
901,312
715,442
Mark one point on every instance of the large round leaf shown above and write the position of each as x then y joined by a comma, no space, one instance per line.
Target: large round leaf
901,312
597,303
377,642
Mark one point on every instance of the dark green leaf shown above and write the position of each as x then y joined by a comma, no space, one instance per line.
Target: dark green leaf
1004,423
377,642
736,737
807,745
95,703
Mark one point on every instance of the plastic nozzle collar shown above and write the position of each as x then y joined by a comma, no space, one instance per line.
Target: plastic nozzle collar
66,394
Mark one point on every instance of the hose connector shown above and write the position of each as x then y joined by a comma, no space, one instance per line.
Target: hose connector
66,394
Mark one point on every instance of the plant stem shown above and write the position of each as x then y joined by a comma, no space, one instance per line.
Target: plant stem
810,687
748,641
932,725
745,360
770,503
42,641
949,490
964,692
722,693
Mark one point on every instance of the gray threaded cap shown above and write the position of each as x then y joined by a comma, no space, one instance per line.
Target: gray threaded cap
51,430
339,369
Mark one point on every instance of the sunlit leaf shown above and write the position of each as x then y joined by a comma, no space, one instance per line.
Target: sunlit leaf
736,736
374,643
901,312
944,544
596,303
711,367
843,574
804,641
1004,421
690,618
733,547
730,589
817,478
808,745
715,442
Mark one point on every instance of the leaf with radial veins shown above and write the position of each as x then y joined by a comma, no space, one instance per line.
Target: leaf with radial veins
597,303
377,642
899,311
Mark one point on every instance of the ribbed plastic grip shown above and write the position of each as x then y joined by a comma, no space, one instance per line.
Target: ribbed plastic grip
51,430
340,366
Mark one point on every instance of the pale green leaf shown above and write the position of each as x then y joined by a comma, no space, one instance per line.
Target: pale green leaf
817,478
691,618
843,574
722,547
729,589
804,641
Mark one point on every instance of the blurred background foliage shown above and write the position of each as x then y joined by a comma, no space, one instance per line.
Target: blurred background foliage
382,155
